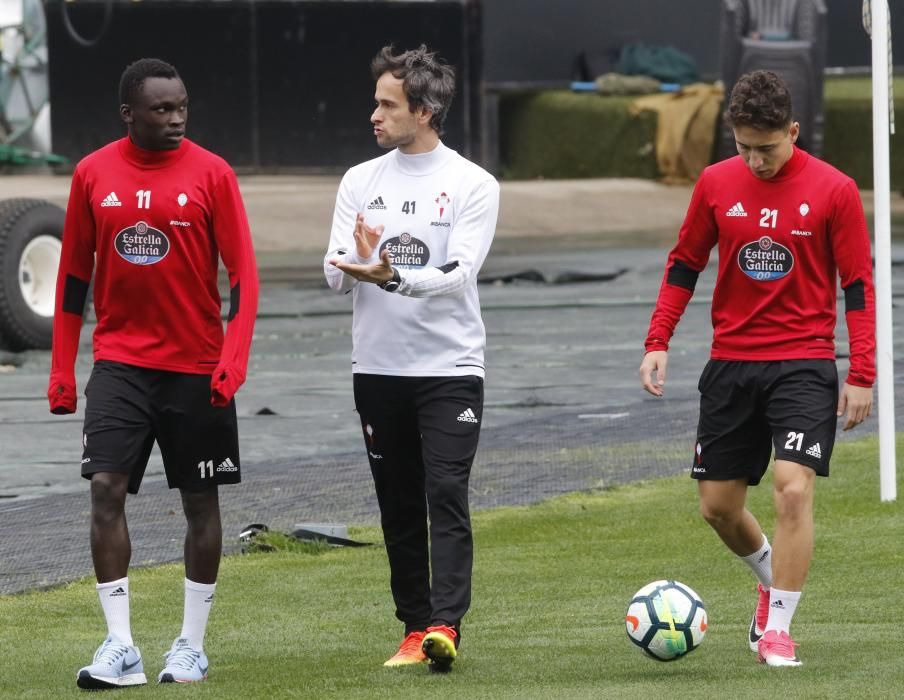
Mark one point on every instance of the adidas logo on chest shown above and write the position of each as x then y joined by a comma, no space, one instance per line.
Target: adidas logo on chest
736,210
111,200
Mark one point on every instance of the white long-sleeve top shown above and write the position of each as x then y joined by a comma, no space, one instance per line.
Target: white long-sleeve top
439,214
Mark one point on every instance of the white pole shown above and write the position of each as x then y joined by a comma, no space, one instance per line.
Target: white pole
882,251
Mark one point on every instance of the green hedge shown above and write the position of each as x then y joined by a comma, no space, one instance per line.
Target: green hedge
561,134
849,130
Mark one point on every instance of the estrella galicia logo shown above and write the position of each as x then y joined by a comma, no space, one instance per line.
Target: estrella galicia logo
765,260
141,244
407,251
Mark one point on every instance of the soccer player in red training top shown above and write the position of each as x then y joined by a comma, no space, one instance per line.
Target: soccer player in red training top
787,225
157,212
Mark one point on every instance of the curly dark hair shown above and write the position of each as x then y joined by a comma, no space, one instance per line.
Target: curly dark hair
428,81
760,100
136,73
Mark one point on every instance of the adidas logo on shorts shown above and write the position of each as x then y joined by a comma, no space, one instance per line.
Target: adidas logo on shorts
227,466
467,416
814,451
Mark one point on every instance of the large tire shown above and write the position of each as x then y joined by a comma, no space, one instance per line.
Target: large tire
31,234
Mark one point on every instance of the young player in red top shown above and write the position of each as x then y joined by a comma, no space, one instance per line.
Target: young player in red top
151,215
787,226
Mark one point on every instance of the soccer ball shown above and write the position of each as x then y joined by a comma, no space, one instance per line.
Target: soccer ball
666,619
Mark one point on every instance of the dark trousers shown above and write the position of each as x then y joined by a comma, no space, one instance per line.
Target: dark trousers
421,435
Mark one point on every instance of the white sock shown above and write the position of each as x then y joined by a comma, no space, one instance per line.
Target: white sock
782,605
760,563
114,599
198,599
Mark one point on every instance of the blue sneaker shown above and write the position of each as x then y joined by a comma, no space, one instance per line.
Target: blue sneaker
183,664
115,665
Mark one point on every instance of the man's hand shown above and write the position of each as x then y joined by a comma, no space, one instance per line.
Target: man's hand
654,362
366,237
376,272
857,401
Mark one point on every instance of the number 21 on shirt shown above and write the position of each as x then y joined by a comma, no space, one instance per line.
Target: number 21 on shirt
768,217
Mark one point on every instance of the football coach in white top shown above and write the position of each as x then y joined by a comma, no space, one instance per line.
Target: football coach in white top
410,232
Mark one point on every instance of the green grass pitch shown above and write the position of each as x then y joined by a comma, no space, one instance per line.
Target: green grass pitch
551,583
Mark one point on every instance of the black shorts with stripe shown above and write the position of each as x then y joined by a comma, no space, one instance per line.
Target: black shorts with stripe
747,409
130,407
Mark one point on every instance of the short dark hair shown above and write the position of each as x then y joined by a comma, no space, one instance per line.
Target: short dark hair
136,73
428,81
760,100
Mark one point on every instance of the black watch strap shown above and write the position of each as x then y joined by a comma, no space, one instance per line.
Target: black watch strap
392,285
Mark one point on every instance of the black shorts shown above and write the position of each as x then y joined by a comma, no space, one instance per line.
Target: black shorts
130,407
747,408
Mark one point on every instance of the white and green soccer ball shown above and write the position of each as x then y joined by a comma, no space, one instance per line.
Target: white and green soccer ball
666,619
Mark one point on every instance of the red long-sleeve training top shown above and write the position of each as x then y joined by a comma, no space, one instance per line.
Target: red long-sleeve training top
783,242
155,224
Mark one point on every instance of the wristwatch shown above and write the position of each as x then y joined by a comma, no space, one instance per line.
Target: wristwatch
391,285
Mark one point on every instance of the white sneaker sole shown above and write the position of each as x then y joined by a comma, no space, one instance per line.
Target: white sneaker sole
167,677
780,661
89,682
